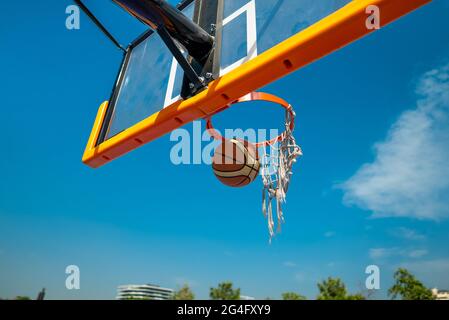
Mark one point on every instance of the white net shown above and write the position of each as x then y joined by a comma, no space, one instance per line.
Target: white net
276,170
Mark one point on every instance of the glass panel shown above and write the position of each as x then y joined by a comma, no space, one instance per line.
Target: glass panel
231,6
145,83
234,46
275,21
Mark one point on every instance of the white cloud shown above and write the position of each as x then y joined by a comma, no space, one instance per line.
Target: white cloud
330,234
417,253
432,272
407,234
300,277
385,253
289,264
381,253
228,253
437,265
409,176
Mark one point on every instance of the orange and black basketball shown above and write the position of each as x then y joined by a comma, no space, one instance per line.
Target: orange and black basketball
236,163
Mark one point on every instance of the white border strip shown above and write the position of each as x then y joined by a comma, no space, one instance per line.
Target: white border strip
251,34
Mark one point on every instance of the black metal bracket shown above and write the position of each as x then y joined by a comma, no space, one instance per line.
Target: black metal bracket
197,83
97,22
178,32
205,16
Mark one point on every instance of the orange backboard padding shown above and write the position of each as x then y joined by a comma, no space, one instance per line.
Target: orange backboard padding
335,31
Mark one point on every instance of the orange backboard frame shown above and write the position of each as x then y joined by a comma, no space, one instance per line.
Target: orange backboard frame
330,34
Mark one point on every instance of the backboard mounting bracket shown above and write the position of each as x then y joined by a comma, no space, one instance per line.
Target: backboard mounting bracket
178,32
196,83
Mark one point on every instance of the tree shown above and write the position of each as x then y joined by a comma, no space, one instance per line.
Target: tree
292,296
224,291
357,296
22,298
185,293
335,289
408,287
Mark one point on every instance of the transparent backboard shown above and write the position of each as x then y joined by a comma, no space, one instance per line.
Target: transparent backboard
151,79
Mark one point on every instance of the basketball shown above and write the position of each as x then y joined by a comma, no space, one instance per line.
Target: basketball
235,163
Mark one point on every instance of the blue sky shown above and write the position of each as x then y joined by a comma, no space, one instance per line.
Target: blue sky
372,187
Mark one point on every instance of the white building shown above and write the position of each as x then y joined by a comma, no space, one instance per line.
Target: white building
440,294
144,292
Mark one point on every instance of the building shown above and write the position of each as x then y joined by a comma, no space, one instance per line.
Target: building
440,294
144,292
246,298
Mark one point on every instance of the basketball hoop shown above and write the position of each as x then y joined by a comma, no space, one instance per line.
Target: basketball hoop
258,96
278,156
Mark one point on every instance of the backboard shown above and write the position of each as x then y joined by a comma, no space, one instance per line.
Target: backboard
257,42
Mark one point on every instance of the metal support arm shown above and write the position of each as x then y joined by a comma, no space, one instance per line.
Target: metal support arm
158,14
196,80
94,19
175,29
